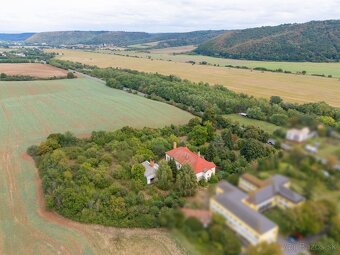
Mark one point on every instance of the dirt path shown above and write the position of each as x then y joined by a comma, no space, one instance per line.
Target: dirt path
25,226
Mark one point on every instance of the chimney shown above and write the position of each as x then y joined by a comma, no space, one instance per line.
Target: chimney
152,163
175,145
199,153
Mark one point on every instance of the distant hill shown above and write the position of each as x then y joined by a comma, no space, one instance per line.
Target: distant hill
15,37
123,38
312,41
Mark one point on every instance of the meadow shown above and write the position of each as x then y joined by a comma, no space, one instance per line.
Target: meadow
291,87
266,126
30,111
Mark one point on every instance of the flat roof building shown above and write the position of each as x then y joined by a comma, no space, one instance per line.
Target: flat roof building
242,207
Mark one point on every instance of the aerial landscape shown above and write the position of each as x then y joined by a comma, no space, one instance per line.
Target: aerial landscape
184,127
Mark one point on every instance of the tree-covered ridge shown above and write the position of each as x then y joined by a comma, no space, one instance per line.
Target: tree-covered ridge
313,41
15,37
120,38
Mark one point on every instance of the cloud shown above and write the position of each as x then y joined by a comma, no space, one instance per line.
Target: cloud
158,15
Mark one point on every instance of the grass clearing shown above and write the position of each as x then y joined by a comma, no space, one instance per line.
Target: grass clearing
291,87
34,70
172,50
266,126
29,111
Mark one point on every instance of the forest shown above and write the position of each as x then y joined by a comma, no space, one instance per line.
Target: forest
315,41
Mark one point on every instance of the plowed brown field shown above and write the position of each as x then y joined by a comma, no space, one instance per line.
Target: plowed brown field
32,69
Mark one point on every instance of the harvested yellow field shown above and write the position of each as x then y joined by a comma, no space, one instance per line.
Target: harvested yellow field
174,50
291,87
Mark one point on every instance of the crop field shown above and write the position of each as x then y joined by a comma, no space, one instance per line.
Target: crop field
291,87
266,126
171,51
29,111
294,67
35,70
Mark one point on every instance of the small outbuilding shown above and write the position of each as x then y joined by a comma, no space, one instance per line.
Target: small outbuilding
150,170
299,135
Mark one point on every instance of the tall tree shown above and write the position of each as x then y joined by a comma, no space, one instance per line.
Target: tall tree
226,135
173,166
164,176
199,135
253,149
186,182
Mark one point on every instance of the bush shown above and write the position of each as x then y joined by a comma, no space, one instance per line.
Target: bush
70,75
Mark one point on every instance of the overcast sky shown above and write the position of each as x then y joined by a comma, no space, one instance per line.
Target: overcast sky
158,15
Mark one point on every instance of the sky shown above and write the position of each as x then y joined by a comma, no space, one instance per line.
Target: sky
158,15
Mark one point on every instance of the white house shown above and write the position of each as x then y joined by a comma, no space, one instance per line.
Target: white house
299,135
150,170
182,156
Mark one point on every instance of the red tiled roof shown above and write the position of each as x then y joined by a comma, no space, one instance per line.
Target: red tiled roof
184,156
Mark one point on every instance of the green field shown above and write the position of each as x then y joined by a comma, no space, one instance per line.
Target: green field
29,111
294,67
266,126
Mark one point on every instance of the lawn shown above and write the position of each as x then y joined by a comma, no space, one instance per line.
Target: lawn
29,111
291,87
266,126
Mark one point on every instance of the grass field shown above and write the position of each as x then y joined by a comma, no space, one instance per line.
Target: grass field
29,111
294,67
35,70
291,87
171,50
266,126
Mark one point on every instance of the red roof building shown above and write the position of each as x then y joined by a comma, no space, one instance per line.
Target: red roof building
183,156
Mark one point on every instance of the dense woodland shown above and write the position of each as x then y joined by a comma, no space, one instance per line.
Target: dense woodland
100,179
15,37
313,41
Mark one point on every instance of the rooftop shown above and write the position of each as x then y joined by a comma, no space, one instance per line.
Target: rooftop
254,180
303,131
150,170
274,186
232,200
184,156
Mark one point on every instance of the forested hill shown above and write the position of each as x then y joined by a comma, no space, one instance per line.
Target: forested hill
312,41
15,37
123,38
